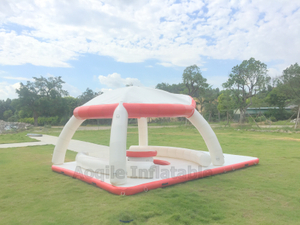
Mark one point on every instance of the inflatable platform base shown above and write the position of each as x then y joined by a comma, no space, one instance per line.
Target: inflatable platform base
177,171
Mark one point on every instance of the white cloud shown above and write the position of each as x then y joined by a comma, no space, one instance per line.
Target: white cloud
17,78
8,90
22,49
73,91
16,86
216,81
176,34
165,64
105,90
275,71
115,80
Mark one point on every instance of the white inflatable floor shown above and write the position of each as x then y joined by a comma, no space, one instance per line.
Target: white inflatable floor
178,171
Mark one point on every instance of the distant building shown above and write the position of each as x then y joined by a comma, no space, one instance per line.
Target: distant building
262,110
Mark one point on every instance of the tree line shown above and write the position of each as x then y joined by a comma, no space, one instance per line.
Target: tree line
44,101
248,85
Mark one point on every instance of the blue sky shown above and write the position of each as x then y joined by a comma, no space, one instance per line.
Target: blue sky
107,44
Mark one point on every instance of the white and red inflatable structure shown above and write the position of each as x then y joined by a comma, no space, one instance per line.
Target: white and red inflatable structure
142,167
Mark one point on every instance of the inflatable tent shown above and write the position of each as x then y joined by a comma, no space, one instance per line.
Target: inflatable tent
142,167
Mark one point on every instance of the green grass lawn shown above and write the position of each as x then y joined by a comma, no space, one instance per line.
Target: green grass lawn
15,138
30,193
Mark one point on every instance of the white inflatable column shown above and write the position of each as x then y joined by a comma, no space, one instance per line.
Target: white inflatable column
209,137
117,151
143,131
64,140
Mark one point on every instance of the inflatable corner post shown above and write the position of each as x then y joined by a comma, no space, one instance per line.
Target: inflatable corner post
141,167
117,151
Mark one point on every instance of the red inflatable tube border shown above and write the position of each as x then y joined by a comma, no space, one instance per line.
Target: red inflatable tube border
155,184
140,153
135,110
95,111
161,162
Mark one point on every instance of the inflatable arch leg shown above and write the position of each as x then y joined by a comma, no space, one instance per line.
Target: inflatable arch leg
143,131
209,137
117,150
64,138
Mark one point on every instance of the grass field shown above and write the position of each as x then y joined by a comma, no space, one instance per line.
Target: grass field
15,138
264,194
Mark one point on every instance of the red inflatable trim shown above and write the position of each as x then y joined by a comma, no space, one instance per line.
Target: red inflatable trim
135,110
141,153
161,162
95,111
154,184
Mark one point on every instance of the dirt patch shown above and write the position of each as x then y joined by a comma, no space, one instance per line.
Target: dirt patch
286,139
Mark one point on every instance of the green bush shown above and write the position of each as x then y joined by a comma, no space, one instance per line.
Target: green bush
13,118
42,121
23,114
7,114
260,119
63,121
48,121
279,114
249,119
27,120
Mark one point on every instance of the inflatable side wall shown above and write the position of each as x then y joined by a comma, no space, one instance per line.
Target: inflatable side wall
64,139
209,137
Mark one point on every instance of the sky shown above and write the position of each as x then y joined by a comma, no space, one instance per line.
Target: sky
104,45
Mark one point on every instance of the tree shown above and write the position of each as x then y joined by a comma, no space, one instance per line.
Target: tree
291,78
194,81
277,97
289,82
211,101
41,96
245,81
70,103
5,106
50,87
261,98
174,88
226,103
7,114
87,96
